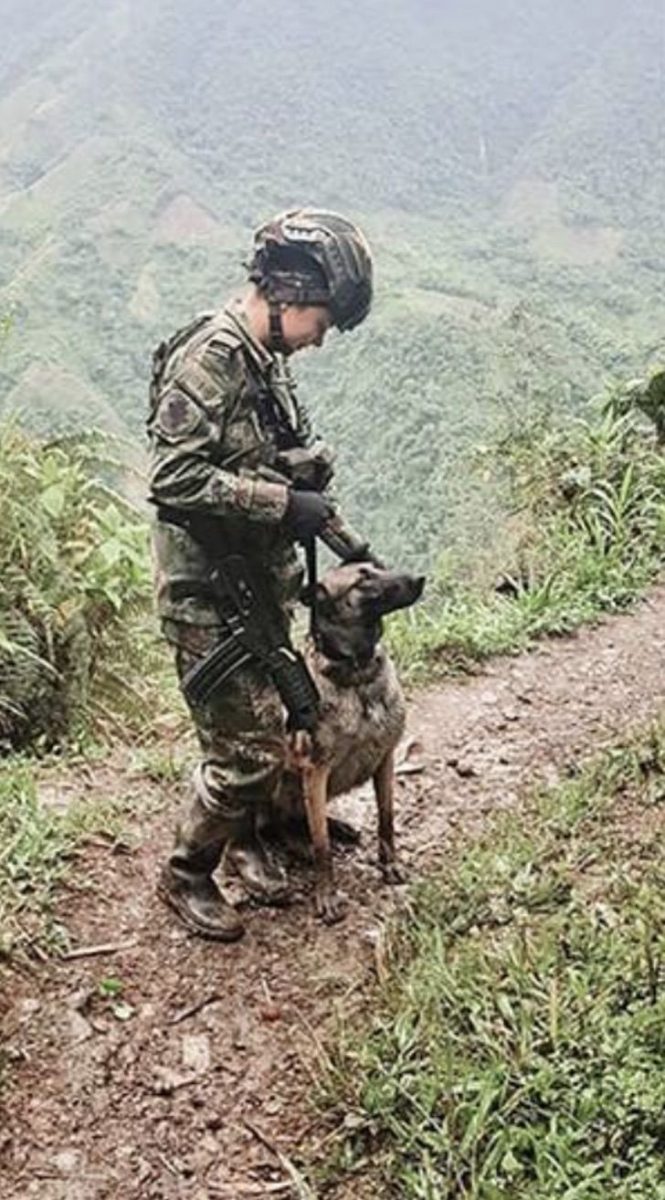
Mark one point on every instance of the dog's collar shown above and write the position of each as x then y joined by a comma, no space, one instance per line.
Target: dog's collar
357,661
332,652
347,668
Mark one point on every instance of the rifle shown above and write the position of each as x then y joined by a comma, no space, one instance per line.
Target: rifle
254,632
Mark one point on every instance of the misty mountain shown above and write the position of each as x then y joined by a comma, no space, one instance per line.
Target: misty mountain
504,159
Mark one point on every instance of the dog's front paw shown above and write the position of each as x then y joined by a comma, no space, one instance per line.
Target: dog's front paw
392,873
331,907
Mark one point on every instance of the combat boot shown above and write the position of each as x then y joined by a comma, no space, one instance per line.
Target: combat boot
186,882
262,876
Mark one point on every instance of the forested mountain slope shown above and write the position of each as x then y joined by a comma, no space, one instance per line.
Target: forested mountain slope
506,161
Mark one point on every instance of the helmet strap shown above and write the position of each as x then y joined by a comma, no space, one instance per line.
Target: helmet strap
276,328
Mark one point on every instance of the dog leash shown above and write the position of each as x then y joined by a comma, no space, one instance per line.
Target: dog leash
312,588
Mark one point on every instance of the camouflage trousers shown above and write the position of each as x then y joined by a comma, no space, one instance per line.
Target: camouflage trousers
241,730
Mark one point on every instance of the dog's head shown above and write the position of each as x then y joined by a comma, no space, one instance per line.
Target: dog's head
351,601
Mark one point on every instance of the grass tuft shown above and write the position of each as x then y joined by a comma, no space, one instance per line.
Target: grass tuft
39,844
517,1048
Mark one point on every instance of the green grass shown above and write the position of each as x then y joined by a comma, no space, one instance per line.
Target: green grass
589,510
39,845
516,1050
454,632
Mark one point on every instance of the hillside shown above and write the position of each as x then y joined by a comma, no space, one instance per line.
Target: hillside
504,161
161,1065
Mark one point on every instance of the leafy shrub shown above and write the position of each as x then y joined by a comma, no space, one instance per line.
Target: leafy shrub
74,588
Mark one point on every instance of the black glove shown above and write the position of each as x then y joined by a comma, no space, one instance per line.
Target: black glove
306,514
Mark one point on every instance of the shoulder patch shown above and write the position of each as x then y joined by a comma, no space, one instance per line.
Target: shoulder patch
178,415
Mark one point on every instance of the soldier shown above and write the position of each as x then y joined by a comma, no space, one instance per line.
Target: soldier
223,416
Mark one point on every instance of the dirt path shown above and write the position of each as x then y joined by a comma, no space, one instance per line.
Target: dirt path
163,1105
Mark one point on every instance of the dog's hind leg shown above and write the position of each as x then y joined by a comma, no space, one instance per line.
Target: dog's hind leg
329,904
384,790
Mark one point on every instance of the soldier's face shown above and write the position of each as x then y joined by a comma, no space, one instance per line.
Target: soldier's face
304,325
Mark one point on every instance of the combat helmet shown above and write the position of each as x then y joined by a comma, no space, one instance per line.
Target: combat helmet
311,256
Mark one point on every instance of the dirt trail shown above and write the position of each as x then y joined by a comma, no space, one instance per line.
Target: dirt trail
165,1105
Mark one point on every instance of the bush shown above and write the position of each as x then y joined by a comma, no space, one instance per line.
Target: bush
74,590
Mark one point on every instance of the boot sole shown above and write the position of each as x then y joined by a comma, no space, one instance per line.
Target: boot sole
208,932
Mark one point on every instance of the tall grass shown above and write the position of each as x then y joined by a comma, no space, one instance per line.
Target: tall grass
588,497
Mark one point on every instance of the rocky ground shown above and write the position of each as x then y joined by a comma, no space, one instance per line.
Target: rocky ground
191,1075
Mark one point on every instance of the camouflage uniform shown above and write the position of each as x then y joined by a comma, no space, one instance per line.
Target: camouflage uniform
223,406
207,450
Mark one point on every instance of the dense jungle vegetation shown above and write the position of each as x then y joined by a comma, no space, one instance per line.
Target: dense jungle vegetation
505,160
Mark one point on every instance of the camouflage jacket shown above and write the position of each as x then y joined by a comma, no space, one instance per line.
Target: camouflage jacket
210,451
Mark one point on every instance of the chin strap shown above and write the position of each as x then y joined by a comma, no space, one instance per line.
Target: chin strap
276,329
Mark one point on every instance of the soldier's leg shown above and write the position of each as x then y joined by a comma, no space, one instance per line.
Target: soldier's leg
186,882
241,736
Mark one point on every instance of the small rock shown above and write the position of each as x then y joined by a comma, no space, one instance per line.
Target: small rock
29,1008
241,1033
79,1029
79,1000
270,1012
68,1162
209,1144
196,1052
185,1166
166,1081
123,1011
465,768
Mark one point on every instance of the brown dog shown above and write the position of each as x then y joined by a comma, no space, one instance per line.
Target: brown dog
361,719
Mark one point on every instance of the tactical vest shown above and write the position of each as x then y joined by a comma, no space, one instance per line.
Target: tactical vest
282,419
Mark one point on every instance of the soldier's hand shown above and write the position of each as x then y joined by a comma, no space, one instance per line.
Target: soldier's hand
306,514
364,553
